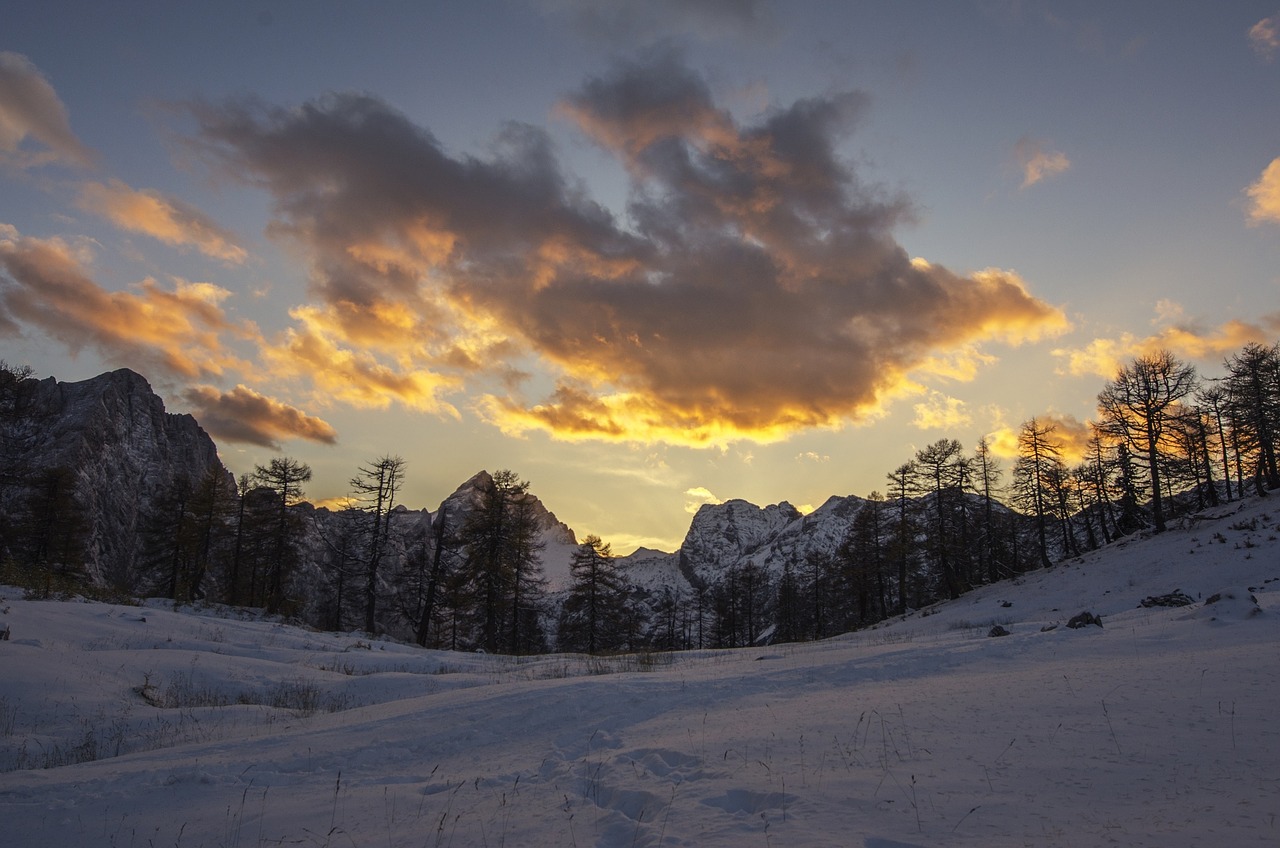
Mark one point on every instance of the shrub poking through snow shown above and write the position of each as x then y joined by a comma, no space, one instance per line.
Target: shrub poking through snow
1176,598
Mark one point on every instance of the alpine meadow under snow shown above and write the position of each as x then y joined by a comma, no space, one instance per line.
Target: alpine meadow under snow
150,726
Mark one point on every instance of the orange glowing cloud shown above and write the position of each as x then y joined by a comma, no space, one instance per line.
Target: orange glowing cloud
31,109
756,289
1069,434
576,414
355,377
243,415
160,217
43,284
712,367
1104,357
1264,196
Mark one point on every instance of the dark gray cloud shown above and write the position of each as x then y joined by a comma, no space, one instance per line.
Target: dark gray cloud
243,415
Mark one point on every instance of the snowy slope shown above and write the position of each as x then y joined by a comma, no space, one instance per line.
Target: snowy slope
1156,729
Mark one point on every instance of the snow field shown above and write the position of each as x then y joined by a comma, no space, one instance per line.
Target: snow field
1156,729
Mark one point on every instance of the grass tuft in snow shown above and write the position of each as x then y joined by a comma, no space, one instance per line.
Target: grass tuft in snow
181,691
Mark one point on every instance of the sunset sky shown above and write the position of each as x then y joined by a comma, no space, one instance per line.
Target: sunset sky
647,255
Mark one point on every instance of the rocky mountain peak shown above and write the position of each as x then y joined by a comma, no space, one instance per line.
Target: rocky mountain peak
112,433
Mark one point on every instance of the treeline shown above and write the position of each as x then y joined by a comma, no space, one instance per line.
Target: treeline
468,577
1165,441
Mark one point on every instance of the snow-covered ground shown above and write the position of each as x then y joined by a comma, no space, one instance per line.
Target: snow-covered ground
198,729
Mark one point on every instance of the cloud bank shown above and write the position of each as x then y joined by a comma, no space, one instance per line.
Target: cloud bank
754,288
180,330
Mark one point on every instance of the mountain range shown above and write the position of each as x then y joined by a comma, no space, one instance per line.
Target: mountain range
125,452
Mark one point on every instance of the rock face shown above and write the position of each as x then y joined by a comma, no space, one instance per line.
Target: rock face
736,533
410,541
113,434
551,529
722,535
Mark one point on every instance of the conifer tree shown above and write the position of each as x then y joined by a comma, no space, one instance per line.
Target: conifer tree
375,488
1034,473
1213,400
428,583
283,477
1253,400
594,615
51,532
1136,408
987,473
940,471
899,494
501,568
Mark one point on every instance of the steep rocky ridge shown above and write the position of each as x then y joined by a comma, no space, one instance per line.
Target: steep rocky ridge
723,534
113,433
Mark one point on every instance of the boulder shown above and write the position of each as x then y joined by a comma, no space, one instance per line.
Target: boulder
1176,598
1084,619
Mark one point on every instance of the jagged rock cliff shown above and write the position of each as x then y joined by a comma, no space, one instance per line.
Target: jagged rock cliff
332,542
733,534
113,434
557,539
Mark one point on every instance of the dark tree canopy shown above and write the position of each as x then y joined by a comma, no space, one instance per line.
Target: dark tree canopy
1136,408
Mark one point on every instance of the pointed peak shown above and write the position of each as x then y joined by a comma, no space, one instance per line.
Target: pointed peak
119,377
479,480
